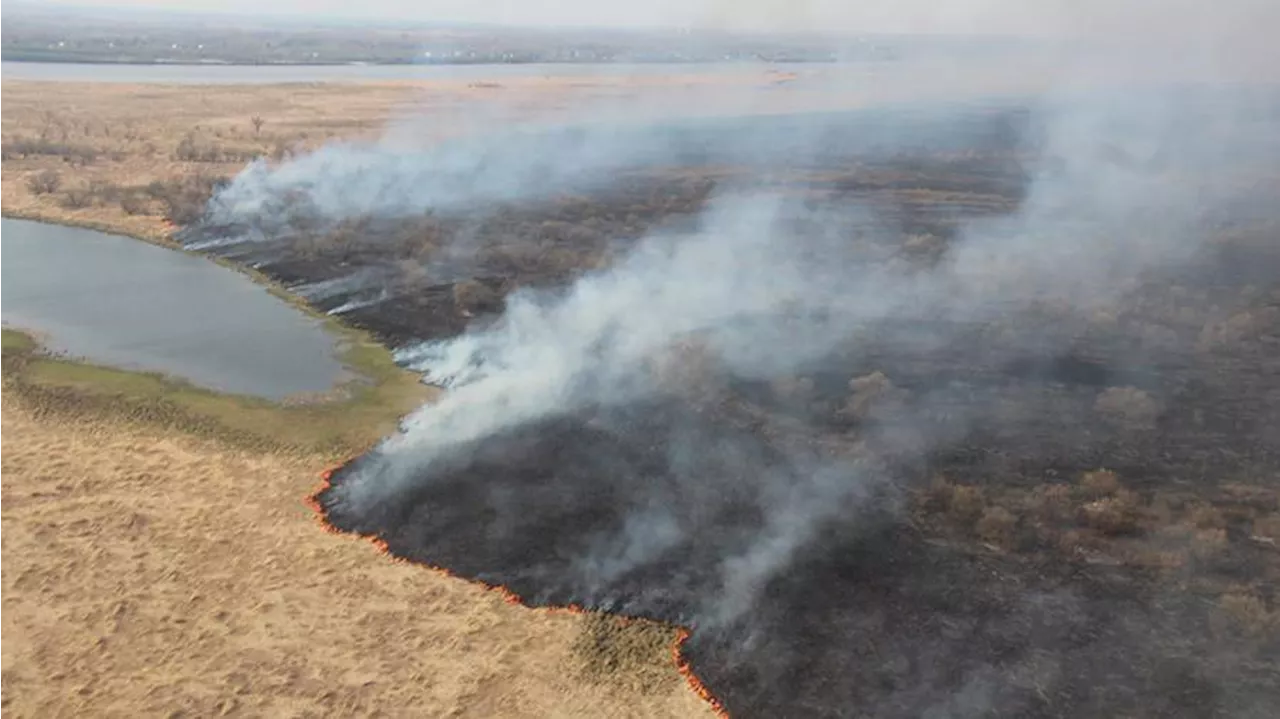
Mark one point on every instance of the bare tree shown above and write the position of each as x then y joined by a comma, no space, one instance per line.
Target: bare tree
134,204
257,121
44,182
77,198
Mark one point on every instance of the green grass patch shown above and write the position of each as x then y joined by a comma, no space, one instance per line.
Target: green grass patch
14,341
345,421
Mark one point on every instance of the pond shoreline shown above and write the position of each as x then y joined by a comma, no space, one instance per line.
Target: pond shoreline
345,336
347,418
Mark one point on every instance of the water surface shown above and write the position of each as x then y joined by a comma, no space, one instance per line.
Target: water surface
122,302
268,74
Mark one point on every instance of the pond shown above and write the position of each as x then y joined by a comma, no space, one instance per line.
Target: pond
117,301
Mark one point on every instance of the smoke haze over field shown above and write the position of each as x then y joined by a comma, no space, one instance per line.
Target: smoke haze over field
1129,168
1130,18
1128,192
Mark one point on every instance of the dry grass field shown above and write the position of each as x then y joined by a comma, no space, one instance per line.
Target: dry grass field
120,156
127,157
160,556
158,574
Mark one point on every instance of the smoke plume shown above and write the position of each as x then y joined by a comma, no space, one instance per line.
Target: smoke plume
633,374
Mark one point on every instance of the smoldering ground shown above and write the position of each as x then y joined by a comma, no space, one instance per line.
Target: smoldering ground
732,425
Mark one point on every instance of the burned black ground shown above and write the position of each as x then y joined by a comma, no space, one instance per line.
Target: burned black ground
1084,525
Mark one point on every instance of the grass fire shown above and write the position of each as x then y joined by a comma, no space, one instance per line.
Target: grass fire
934,390
868,452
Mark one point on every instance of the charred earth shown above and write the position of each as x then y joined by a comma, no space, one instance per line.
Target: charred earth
1043,509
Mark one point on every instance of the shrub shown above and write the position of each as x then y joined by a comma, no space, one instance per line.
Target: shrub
1113,515
411,274
185,198
1099,483
45,182
103,190
965,503
474,296
1053,501
134,204
77,198
1208,542
868,392
1245,610
1206,516
1267,527
997,525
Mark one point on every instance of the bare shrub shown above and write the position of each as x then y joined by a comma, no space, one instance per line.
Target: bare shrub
1127,407
185,198
997,526
1206,516
70,153
1242,609
869,393
1207,542
104,191
134,204
965,503
1099,483
191,149
474,296
1237,328
1150,558
1053,501
77,198
410,274
45,182
1113,515
186,151
281,151
1267,528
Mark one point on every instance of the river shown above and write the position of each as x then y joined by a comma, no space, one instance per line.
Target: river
268,74
121,302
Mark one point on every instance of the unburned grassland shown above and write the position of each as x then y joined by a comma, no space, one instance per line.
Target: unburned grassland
149,571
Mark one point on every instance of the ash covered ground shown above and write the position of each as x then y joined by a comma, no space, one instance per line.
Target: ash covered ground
970,411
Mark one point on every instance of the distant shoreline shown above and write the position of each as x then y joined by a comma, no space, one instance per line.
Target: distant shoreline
63,60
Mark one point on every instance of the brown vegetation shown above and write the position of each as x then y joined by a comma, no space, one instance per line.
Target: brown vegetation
151,572
134,135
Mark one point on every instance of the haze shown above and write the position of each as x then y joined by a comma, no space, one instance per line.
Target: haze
1140,18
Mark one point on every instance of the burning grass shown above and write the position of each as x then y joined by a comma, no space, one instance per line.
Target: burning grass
148,571
1098,499
611,649
1076,506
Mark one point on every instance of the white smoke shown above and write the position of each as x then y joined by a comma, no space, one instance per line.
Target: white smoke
1129,193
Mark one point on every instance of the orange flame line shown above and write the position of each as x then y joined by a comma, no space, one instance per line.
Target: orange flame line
683,665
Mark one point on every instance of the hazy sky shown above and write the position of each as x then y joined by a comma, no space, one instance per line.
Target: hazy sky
962,16
1126,18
